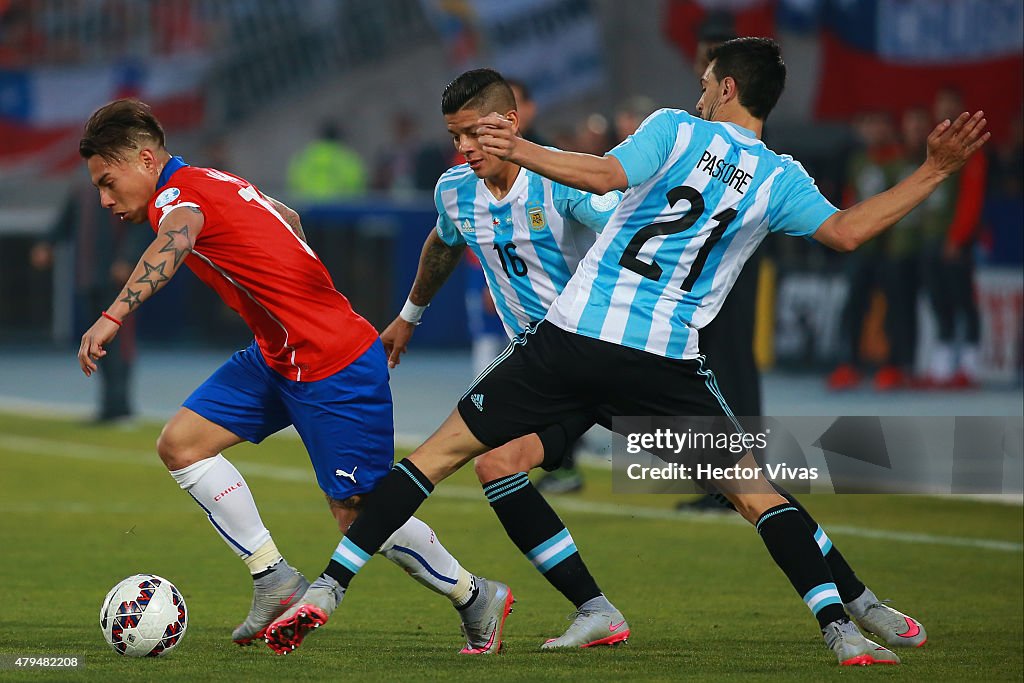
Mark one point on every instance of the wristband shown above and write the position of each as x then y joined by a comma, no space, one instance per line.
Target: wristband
111,318
411,313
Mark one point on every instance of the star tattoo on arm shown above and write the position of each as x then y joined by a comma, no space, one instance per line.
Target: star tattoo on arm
154,276
132,298
178,241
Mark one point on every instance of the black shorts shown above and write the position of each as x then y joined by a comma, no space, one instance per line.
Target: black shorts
559,439
549,380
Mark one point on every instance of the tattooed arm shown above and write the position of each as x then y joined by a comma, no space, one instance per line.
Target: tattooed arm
161,260
437,261
290,216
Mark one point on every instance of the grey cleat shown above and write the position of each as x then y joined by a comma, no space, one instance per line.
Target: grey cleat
484,620
596,622
272,594
309,612
852,648
892,626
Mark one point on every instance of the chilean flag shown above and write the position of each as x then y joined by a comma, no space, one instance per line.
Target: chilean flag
893,54
43,109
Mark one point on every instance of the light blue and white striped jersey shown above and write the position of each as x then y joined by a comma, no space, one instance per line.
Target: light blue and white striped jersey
702,195
529,242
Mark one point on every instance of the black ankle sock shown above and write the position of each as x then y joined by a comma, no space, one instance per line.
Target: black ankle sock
791,544
540,535
850,587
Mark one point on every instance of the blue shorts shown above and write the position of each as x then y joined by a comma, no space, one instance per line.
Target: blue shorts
346,420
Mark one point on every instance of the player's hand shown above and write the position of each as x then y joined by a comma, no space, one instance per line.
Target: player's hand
396,340
951,144
91,350
497,136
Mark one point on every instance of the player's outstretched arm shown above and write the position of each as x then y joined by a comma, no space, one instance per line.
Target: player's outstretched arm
586,172
290,216
161,260
437,261
950,145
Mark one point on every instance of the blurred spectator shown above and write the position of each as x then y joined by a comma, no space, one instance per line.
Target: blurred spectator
408,165
326,169
871,169
1006,163
1004,207
630,114
176,27
951,225
593,135
900,261
564,138
105,252
717,27
527,108
215,153
20,40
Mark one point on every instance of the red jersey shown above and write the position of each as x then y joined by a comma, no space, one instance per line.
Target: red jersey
305,328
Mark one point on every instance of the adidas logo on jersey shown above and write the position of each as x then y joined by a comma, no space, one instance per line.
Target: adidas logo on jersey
478,401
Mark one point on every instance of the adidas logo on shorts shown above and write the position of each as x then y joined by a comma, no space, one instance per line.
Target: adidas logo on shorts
478,401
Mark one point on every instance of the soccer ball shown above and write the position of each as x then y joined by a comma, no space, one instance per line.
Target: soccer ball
143,616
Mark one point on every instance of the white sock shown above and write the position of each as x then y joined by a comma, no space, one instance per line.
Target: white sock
415,548
221,491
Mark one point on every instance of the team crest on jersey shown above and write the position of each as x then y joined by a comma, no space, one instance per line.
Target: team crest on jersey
167,196
467,226
537,219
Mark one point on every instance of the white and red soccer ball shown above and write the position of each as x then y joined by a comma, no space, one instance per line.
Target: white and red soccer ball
143,616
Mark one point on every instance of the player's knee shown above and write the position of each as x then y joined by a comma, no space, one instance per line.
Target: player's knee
501,462
174,450
489,467
166,448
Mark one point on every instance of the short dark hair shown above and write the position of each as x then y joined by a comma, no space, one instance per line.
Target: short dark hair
118,127
482,89
757,67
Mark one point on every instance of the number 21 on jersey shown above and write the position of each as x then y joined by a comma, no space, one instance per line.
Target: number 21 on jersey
652,271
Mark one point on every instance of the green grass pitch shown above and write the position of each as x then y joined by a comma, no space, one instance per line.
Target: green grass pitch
83,507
